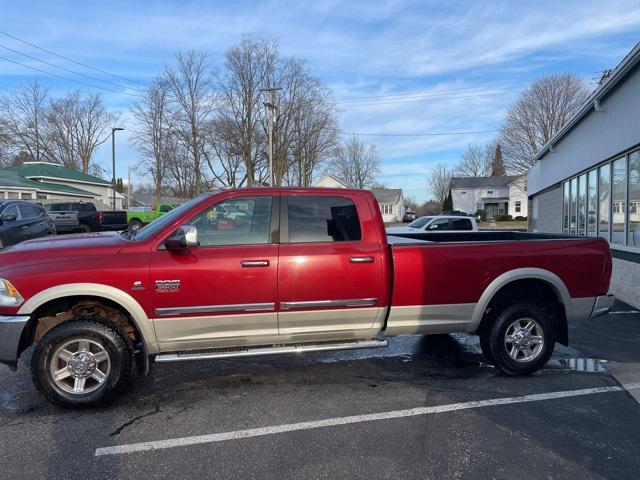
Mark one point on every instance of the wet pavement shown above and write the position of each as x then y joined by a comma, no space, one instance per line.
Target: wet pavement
592,434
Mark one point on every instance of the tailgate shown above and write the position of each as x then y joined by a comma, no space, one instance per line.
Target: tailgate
114,219
64,219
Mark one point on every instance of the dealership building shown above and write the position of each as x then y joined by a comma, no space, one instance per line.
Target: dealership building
586,179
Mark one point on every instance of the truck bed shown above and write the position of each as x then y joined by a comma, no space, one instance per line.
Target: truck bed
439,279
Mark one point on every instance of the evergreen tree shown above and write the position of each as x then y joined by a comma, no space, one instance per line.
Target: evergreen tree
447,206
119,185
497,165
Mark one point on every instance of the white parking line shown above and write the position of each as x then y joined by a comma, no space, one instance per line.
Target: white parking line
332,422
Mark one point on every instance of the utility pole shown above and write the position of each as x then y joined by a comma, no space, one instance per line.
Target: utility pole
113,162
271,119
128,186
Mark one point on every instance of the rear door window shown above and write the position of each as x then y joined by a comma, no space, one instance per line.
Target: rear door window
439,224
30,211
322,219
461,224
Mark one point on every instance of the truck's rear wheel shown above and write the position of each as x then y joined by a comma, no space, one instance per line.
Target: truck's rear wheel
520,340
81,362
135,225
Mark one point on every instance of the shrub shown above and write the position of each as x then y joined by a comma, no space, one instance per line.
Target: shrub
503,218
520,218
482,214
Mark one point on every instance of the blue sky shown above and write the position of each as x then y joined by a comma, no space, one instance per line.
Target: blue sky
456,65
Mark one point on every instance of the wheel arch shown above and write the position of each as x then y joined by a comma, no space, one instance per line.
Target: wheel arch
98,291
538,274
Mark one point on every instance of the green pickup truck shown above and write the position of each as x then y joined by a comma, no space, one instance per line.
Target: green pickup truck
137,218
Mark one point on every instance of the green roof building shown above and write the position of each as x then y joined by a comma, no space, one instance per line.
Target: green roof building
50,182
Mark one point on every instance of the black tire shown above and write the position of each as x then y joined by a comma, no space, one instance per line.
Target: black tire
486,349
102,338
84,228
135,225
507,354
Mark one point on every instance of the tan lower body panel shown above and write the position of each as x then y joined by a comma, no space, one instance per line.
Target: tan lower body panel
421,319
247,329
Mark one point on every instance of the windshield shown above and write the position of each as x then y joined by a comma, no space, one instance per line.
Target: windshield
154,227
420,222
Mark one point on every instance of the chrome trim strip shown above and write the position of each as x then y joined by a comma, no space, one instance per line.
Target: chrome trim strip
354,302
242,307
254,352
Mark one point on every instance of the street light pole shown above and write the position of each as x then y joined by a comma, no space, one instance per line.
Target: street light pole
113,162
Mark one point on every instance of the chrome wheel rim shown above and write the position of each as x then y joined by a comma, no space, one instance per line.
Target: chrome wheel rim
524,340
80,366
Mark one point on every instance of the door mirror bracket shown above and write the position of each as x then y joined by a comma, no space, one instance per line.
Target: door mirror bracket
184,237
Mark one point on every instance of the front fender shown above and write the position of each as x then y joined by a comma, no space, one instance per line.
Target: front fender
126,301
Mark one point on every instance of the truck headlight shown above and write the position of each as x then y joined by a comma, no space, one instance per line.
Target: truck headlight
9,296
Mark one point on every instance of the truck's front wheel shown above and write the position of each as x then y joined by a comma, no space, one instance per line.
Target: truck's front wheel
521,339
81,362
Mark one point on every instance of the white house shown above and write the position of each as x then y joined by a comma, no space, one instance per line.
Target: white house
50,181
391,200
497,195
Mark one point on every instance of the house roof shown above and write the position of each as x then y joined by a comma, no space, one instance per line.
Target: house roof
387,195
53,170
615,77
483,182
335,179
11,178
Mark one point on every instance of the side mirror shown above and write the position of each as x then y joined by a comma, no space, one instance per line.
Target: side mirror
9,218
185,237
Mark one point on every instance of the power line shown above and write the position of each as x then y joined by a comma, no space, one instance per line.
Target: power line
67,78
67,69
417,134
71,60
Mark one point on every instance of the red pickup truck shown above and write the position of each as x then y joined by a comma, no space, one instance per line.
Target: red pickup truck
292,270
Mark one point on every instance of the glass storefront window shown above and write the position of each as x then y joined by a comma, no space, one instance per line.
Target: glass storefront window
618,200
572,209
634,199
592,202
582,204
604,186
565,208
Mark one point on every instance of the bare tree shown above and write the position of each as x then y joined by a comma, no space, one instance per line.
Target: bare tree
475,161
194,104
92,123
226,159
60,133
355,163
315,128
23,113
537,115
248,66
439,182
152,134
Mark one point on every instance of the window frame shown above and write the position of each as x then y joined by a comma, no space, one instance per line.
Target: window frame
284,221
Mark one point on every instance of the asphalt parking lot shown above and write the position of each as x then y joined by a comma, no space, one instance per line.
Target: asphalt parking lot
426,407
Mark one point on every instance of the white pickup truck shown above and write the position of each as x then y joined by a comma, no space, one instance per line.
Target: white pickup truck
439,223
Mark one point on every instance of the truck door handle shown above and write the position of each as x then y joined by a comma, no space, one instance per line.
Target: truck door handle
361,260
254,263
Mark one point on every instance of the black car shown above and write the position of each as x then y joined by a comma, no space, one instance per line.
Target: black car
90,218
21,221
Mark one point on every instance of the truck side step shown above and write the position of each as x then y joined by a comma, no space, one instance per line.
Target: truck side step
269,350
